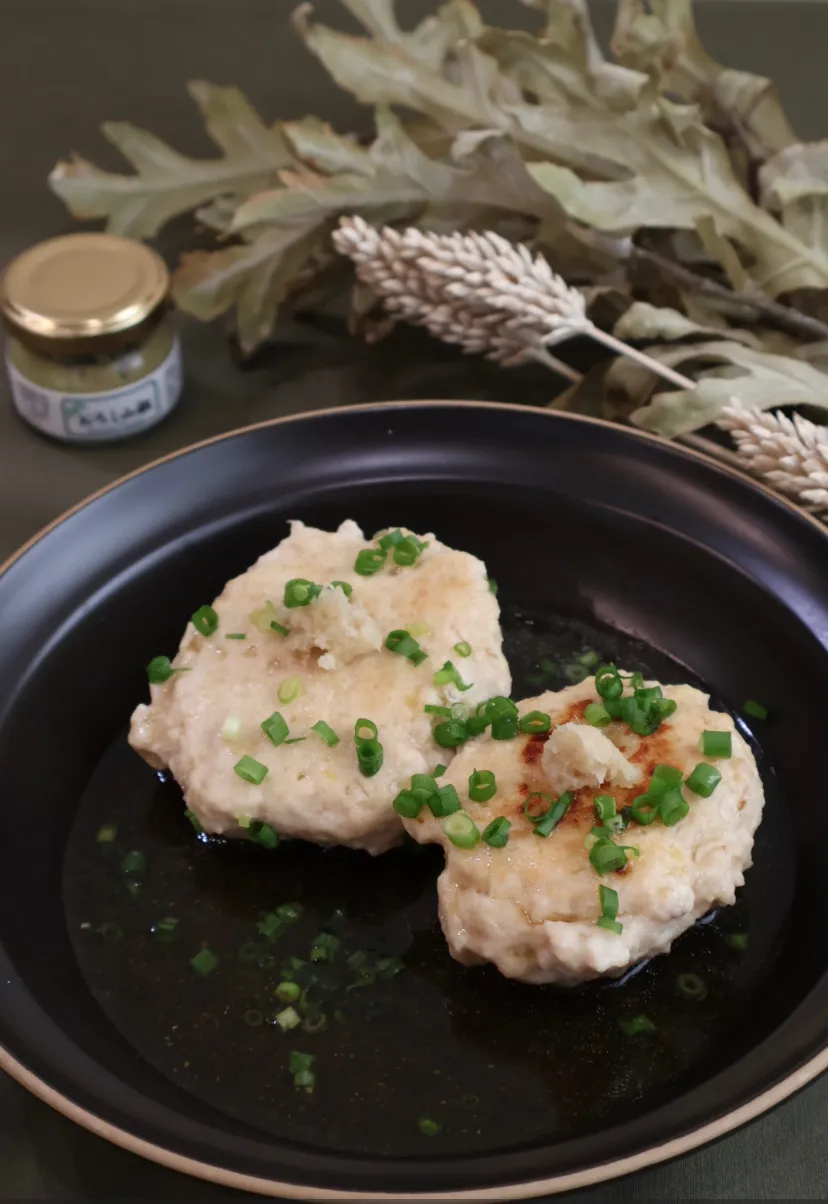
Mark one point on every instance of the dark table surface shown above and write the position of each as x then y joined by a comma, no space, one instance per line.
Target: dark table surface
66,65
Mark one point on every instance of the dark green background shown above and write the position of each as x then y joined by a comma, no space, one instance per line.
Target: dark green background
66,65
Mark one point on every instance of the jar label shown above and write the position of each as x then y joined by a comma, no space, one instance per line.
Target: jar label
98,417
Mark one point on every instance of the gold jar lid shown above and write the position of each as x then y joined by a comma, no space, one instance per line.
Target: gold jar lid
82,292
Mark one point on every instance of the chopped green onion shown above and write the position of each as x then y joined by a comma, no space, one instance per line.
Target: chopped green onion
608,900
462,649
275,729
588,658
134,863
493,708
324,946
300,592
316,1023
290,912
716,744
608,682
160,670
403,644
290,689
263,617
438,771
429,1127
448,675
232,728
194,820
737,940
369,757
547,802
610,925
535,723
550,821
596,714
408,804
251,770
575,672
262,833
444,801
690,986
365,729
755,709
301,1067
451,733
288,992
445,712
604,806
672,807
475,724
496,834
204,962
407,551
665,777
644,809
107,833
632,1026
326,733
279,627
235,635
345,587
271,925
369,561
616,823
492,584
482,786
417,629
423,781
295,740
461,830
704,779
165,931
205,620
505,727
391,539
606,857
287,1019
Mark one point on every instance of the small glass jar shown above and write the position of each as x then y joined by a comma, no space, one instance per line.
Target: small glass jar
92,354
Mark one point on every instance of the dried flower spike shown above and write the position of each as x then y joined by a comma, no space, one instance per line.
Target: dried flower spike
479,291
790,453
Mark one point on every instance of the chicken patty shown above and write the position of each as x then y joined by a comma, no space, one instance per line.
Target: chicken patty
321,664
532,906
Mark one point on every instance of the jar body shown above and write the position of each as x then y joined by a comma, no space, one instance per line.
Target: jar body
98,397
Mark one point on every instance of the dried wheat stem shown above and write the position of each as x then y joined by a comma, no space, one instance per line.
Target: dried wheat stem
790,453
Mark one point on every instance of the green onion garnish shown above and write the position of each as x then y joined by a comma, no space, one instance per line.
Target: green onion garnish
492,584
295,740
482,786
716,744
448,675
588,658
505,727
232,728
497,832
288,992
403,644
290,689
607,857
204,962
608,682
408,804
262,833
300,592
271,925
704,779
165,931
737,940
644,809
369,750
326,733
535,812
279,627
263,617
235,635
438,772
535,723
461,830
301,1067
429,1127
407,550
205,620
391,539
194,820
160,669
444,801
287,1019
251,770
344,586
755,709
451,733
462,649
672,807
632,1026
134,863
550,821
665,777
365,729
275,729
596,714
690,986
604,806
608,900
493,708
324,947
107,833
444,712
369,561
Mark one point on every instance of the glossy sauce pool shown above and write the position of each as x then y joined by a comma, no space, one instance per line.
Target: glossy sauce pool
431,1057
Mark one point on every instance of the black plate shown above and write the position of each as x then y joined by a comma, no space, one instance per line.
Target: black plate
600,538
